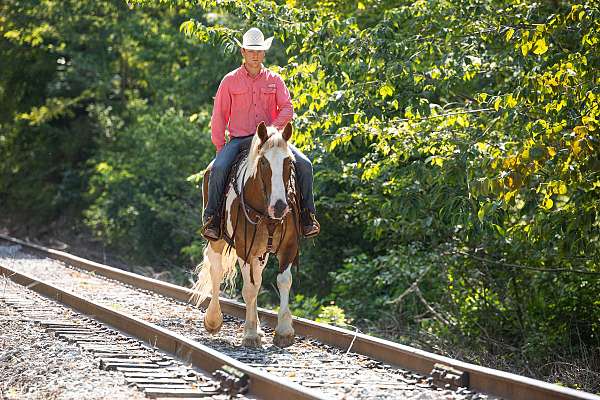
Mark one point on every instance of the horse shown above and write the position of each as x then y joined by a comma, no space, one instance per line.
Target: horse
261,216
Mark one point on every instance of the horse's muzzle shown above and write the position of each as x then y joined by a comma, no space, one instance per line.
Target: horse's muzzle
279,210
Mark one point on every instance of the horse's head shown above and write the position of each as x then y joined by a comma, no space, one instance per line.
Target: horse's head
273,163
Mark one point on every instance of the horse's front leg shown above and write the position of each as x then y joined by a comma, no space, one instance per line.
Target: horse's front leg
284,332
252,336
259,330
213,320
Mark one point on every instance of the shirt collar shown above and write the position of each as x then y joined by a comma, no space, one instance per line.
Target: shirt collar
247,74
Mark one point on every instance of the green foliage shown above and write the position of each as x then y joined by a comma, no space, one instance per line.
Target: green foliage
66,66
312,308
380,287
139,194
332,315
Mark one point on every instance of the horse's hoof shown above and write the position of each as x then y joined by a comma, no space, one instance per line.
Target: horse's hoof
252,341
213,330
283,341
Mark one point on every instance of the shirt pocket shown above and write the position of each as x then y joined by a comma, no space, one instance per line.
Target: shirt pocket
239,98
267,95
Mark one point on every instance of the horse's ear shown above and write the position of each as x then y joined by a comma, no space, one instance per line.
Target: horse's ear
287,132
262,132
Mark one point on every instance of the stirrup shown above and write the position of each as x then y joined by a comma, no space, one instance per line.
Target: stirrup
310,226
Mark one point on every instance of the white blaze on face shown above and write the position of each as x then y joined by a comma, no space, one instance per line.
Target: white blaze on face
275,157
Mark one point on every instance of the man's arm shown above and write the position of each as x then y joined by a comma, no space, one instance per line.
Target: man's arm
220,115
284,104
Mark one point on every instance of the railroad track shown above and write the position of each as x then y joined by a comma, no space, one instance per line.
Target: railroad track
325,362
155,373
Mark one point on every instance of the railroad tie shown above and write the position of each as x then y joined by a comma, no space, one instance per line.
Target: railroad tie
157,375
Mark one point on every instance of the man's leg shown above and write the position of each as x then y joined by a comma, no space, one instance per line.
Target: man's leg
211,229
310,226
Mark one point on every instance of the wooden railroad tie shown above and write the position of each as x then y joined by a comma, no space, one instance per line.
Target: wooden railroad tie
444,375
232,381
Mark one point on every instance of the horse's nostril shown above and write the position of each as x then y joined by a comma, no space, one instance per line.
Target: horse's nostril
280,208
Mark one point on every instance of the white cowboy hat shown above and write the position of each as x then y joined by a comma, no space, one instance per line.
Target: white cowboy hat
254,39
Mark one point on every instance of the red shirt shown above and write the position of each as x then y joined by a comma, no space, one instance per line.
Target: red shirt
242,102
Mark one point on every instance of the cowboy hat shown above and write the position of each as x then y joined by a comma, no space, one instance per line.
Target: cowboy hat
254,39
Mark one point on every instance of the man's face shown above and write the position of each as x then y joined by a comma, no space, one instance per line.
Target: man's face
253,58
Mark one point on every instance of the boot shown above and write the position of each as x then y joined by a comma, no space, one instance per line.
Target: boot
211,227
310,225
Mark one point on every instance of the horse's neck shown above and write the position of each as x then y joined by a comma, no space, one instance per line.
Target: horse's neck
249,186
243,174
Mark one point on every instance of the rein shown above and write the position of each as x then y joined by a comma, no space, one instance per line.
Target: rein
241,196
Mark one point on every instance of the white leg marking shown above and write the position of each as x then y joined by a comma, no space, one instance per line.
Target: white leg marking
228,202
214,318
250,293
284,332
259,330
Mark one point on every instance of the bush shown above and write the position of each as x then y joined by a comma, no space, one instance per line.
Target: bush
141,200
371,288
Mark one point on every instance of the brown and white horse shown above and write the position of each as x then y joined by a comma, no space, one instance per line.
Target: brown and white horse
260,218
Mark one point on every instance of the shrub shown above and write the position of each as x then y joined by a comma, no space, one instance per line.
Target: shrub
141,198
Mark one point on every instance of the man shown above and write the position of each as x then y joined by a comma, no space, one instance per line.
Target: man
246,97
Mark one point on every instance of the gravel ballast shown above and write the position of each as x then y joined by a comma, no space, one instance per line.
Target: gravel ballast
36,365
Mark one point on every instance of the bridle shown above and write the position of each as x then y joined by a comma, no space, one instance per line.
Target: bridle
260,215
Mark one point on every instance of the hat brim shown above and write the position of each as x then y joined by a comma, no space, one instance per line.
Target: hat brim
266,45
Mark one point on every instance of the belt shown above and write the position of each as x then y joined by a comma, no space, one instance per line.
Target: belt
241,137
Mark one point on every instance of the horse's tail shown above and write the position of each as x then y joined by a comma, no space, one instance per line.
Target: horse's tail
203,286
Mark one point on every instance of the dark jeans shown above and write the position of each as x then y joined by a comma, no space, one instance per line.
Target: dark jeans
225,158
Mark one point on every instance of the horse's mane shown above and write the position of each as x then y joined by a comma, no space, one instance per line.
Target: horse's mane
275,140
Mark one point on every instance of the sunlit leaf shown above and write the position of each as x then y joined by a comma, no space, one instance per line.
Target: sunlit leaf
509,34
386,90
497,103
540,46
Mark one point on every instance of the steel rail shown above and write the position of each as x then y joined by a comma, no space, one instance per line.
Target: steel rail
261,384
481,379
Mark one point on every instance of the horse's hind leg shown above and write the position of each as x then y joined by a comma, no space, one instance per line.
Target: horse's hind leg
284,332
213,320
252,336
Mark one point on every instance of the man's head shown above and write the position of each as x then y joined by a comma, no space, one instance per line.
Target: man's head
254,46
253,58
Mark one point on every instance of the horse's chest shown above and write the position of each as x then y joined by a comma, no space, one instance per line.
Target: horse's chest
252,238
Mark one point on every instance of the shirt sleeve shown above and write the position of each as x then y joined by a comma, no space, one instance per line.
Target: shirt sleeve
220,115
284,105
